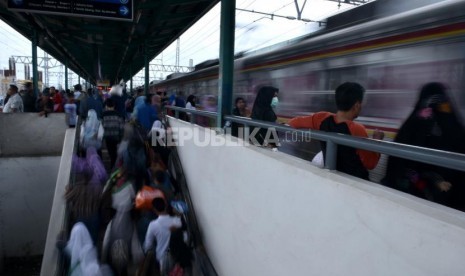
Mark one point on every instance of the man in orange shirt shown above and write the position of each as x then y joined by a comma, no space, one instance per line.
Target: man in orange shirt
349,97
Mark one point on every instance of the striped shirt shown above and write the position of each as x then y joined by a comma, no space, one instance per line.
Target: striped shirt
113,125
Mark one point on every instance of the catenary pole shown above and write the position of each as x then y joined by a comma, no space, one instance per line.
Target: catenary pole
226,68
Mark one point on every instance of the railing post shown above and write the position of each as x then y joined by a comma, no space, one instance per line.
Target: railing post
147,72
35,72
176,114
66,74
246,134
331,155
130,85
192,118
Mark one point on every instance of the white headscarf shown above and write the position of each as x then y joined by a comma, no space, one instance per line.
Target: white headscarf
116,90
90,132
82,252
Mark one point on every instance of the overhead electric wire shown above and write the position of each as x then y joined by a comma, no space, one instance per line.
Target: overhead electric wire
187,43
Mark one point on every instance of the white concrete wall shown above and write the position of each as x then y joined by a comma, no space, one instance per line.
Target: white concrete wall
57,215
267,213
26,194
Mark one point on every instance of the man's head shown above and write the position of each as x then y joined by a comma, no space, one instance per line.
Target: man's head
52,90
46,94
28,86
140,91
159,205
110,104
349,97
77,87
156,100
13,89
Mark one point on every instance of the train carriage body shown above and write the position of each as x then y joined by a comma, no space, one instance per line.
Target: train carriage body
391,57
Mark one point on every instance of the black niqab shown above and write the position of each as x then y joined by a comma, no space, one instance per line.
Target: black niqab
262,106
432,124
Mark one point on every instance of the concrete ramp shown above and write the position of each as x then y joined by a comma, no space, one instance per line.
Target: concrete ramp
28,134
30,150
268,213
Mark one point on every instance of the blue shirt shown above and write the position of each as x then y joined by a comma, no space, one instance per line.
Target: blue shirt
146,115
70,110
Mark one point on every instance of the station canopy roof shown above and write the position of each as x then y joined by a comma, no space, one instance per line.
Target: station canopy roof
105,48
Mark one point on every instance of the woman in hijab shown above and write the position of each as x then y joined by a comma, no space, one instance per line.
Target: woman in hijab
83,198
432,124
91,131
82,253
267,99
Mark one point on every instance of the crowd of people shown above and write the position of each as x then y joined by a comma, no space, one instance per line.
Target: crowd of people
25,100
434,123
111,233
127,215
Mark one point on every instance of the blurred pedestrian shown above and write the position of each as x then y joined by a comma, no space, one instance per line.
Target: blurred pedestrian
267,98
15,102
434,124
349,98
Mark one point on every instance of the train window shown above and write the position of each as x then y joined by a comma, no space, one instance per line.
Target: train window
341,75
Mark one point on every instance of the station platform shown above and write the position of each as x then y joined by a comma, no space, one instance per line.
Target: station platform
255,211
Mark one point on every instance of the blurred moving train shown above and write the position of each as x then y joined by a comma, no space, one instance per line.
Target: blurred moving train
392,57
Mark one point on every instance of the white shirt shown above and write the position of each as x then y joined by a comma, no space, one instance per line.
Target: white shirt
15,102
159,230
189,106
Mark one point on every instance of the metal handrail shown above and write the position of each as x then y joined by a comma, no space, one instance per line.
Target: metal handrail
425,155
177,109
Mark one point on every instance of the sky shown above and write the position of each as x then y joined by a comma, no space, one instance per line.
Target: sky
201,42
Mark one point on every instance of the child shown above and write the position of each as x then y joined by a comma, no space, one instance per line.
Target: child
113,125
70,109
160,230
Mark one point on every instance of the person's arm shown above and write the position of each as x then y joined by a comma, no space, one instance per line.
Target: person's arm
149,238
301,122
100,132
435,179
14,106
311,121
369,159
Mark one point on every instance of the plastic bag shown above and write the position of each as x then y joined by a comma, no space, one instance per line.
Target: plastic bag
145,197
319,159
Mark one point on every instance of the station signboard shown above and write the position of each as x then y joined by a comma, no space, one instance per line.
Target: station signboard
110,9
103,83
